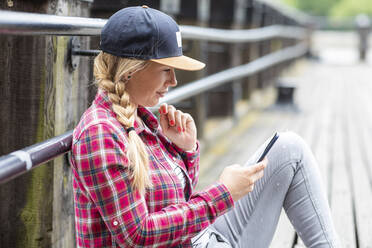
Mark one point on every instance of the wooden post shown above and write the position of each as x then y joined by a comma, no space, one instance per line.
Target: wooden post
219,58
263,47
268,45
41,98
237,52
277,43
26,202
254,16
248,52
70,101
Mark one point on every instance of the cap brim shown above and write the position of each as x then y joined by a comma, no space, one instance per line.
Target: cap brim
181,62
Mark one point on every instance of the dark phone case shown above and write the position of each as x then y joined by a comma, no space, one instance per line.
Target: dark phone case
268,147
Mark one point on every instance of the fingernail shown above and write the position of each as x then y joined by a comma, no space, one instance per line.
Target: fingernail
179,129
184,130
162,110
171,122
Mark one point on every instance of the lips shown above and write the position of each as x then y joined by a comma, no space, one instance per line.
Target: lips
162,93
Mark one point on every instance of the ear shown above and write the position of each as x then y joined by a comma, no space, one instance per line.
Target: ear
127,76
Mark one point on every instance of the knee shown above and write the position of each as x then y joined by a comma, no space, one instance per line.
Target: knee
291,144
291,137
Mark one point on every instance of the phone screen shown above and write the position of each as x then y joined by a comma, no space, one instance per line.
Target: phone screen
268,147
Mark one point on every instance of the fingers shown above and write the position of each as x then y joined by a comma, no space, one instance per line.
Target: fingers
257,167
178,118
255,172
163,109
168,111
175,117
184,122
251,188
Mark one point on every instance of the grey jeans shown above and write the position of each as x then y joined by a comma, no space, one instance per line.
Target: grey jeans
291,180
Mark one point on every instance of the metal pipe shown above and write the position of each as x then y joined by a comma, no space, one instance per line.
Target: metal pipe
238,36
85,52
21,23
21,161
228,36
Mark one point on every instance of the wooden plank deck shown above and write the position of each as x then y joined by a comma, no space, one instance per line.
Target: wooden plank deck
335,118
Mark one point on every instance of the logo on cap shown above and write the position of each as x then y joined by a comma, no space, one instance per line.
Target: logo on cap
179,39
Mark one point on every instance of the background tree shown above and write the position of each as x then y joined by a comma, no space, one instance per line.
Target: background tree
351,8
333,8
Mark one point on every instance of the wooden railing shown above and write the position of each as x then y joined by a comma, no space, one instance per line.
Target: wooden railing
36,24
291,33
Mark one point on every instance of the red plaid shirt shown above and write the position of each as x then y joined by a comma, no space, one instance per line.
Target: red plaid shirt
109,213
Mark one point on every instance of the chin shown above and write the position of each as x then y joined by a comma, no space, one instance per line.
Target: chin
151,104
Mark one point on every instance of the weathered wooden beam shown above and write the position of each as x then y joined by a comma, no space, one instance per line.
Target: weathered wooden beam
26,202
41,98
70,101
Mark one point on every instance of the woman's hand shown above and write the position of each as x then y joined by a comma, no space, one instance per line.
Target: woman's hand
240,180
177,126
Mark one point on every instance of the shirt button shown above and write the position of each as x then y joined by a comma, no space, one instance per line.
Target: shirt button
115,223
174,159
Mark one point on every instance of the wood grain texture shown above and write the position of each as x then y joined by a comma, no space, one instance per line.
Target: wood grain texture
26,209
38,103
71,93
335,118
359,157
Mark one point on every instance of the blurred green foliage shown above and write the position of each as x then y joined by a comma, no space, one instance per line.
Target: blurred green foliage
350,8
333,8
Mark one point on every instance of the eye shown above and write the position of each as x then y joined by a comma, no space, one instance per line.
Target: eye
167,70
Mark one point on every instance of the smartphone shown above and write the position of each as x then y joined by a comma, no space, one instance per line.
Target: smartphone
268,147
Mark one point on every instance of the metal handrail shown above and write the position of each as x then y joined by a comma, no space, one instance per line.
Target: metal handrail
21,23
225,76
19,162
243,35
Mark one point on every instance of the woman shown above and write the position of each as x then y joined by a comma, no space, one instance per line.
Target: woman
134,175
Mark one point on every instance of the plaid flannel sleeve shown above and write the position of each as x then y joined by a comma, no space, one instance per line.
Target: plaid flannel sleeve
102,166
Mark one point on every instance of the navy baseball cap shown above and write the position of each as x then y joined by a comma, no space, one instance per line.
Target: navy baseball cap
147,34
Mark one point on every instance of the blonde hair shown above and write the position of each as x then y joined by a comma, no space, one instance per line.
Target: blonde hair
111,74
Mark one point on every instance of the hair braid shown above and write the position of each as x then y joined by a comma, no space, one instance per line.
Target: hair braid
109,72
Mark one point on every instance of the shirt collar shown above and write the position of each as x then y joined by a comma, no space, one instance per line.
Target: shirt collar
102,99
147,116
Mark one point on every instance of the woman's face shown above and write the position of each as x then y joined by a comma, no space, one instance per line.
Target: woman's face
147,86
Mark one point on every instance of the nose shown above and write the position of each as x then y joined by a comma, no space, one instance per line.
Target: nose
172,78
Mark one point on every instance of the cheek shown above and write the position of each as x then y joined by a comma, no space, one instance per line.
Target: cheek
147,96
154,85
143,90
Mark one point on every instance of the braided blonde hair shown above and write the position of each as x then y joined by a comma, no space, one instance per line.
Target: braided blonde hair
111,73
